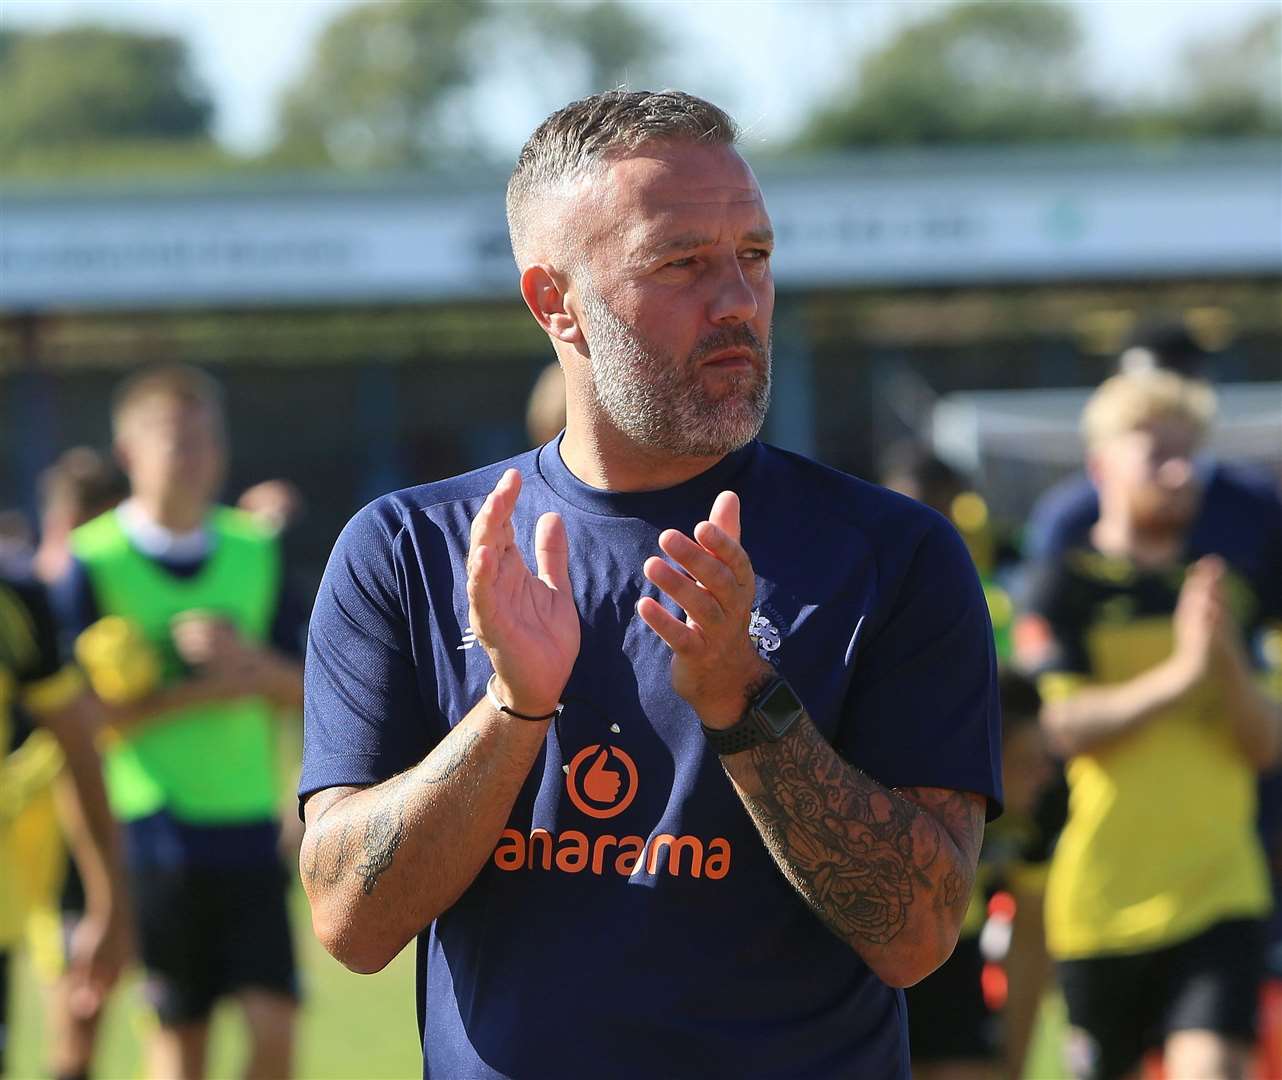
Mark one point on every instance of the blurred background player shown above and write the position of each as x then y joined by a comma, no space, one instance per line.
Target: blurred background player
81,484
545,410
1233,496
47,724
1240,506
17,541
1158,883
275,504
954,1032
188,637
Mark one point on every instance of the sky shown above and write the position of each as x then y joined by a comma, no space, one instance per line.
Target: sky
767,61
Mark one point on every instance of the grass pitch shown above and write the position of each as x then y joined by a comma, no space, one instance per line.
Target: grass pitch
352,1027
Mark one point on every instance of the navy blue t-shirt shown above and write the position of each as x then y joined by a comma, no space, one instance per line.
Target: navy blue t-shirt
649,933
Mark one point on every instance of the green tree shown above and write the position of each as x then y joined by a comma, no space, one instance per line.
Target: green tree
1007,72
394,83
375,92
88,84
990,71
612,43
1233,84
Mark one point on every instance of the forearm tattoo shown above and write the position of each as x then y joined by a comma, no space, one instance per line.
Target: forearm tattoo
384,831
861,856
439,772
335,858
334,851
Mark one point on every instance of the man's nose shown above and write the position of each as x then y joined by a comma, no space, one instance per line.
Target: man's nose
734,300
1175,472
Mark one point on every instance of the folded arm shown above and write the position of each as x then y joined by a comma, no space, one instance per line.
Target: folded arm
1207,647
1090,717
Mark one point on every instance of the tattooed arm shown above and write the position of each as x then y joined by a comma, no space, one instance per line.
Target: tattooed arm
380,863
888,871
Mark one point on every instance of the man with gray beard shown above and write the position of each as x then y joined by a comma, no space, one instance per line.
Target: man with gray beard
699,789
653,399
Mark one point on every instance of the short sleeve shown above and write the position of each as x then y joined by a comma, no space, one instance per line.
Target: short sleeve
923,710
365,710
74,603
40,656
30,643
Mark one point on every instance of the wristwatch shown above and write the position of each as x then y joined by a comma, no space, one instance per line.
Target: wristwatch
768,718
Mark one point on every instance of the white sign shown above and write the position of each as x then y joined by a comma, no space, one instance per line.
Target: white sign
918,219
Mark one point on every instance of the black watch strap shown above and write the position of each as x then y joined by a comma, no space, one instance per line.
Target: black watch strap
768,718
733,740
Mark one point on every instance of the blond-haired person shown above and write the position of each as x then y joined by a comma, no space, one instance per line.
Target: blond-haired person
1158,884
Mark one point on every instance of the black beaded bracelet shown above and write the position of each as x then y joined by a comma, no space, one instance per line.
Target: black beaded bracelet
494,700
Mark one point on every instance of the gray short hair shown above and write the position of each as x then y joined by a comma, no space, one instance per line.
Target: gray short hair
595,129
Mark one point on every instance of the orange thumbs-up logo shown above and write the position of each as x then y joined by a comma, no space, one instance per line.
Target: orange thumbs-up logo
601,780
602,785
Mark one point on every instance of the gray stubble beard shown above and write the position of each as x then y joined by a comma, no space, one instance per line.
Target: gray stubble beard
659,402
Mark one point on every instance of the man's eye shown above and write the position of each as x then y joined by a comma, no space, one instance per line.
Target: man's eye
681,264
756,254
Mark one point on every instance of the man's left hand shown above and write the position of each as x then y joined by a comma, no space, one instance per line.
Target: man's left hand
714,665
101,947
221,656
202,638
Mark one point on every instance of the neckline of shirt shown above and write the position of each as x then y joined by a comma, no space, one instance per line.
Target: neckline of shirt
157,542
699,491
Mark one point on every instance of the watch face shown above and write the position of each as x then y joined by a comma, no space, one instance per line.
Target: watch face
779,708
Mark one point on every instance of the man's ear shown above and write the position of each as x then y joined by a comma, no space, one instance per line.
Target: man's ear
543,290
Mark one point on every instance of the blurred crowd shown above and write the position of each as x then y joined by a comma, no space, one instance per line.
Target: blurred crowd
1137,613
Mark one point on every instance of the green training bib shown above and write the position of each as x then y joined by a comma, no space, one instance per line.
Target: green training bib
209,764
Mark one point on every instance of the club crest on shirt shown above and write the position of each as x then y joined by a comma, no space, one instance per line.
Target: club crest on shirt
764,634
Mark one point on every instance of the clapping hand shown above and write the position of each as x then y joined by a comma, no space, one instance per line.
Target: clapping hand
528,625
714,665
1206,634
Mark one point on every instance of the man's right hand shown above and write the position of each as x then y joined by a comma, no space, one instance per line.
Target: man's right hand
380,863
1202,621
528,625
